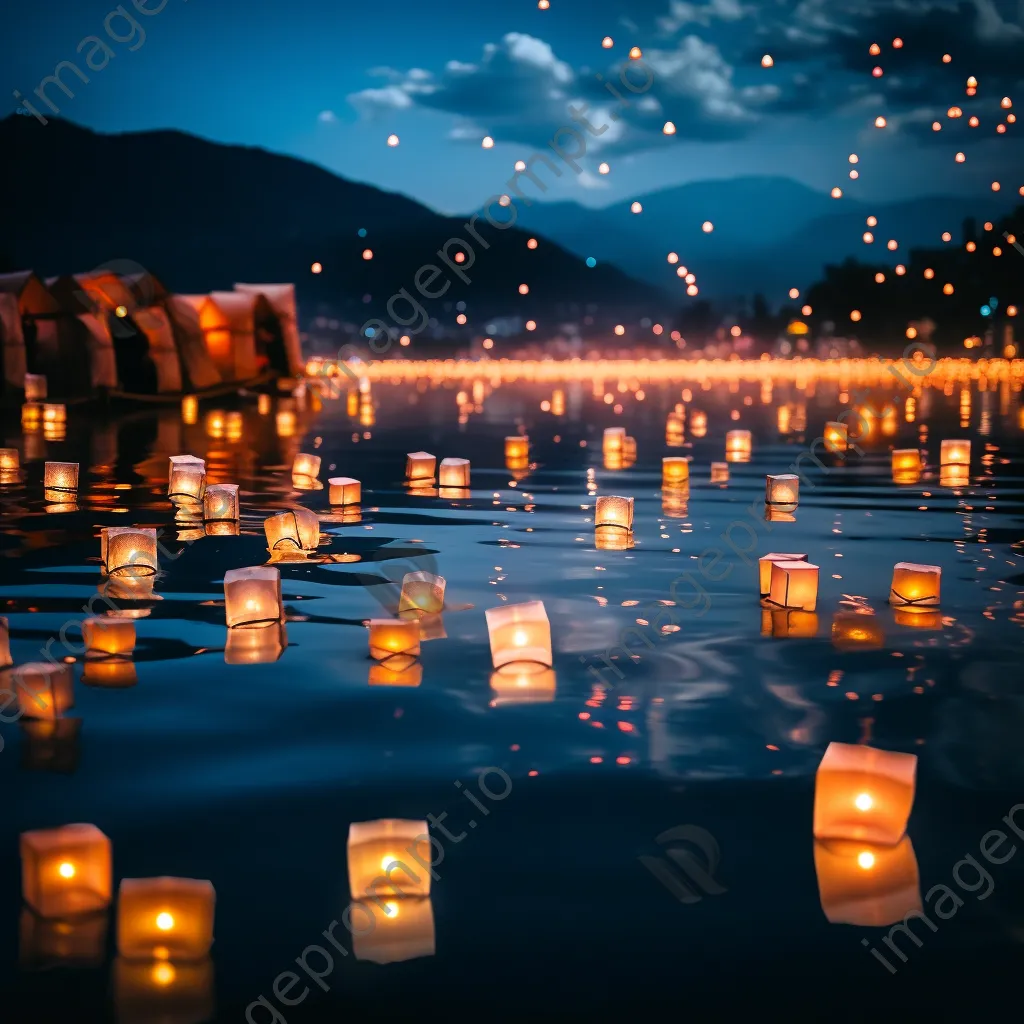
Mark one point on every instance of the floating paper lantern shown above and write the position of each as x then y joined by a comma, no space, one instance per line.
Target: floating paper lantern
306,466
285,422
389,637
698,423
864,794
782,491
404,930
129,551
519,633
783,623
915,586
674,471
35,387
187,478
150,991
252,596
955,453
31,415
835,437
629,450
220,503
420,468
866,884
9,460
387,858
614,439
48,942
264,405
66,871
517,448
422,592
454,473
905,460
165,918
344,490
523,684
216,424
954,476
794,585
256,646
5,643
54,413
614,460
43,690
719,472
60,476
614,510
110,673
107,636
764,564
613,538
398,670
738,446
296,530
189,410
853,631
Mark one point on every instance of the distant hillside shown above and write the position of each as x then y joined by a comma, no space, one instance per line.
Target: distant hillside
201,216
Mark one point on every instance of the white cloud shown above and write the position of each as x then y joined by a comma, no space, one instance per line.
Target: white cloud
327,117
682,14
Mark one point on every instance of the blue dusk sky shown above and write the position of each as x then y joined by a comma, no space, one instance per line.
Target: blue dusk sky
329,81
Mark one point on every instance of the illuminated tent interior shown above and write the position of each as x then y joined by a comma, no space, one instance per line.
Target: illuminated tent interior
234,348
277,326
12,339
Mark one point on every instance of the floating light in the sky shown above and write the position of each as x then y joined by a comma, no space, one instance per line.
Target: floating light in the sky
954,112
461,319
1006,103
880,121
532,243
524,289
603,168
946,58
837,193
673,257
620,330
367,254
543,4
855,315
853,158
488,343
868,237
317,268
794,293
947,289
636,208
690,278
996,186
929,273
946,236
877,72
879,278
393,141
806,310
972,82
871,221
854,175
1000,129
974,122
897,43
488,142
767,61
607,42
635,53
960,158
531,325
692,290
892,245
900,269
520,165
707,227
936,126
874,49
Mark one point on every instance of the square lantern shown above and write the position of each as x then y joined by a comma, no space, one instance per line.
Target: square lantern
297,530
387,858
264,404
109,673
955,453
852,631
404,930
613,538
252,596
50,746
421,592
519,633
719,472
66,871
794,585
108,637
256,646
43,690
915,586
390,637
285,423
165,918
31,415
835,437
48,942
614,510
161,992
613,441
955,476
782,491
517,449
220,503
5,643
454,473
9,460
420,468
189,410
675,471
764,565
698,423
54,414
186,480
906,461
344,490
129,551
306,466
628,450
738,446
865,884
398,670
60,476
613,460
35,387
863,794
523,684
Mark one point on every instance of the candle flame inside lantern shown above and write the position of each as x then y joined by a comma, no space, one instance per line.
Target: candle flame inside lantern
915,585
66,871
221,502
186,480
391,637
306,466
955,453
517,448
674,471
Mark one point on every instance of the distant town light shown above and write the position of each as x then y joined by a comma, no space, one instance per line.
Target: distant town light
532,243
367,254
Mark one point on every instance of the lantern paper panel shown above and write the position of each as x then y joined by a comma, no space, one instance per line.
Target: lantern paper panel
454,473
906,460
107,636
420,467
422,592
955,453
852,631
66,871
60,476
256,646
50,746
129,551
252,596
306,466
613,538
398,670
186,479
675,471
719,472
31,415
517,448
344,490
295,530
915,586
863,794
35,387
5,643
165,918
387,857
523,684
782,491
9,460
48,942
614,510
285,423
519,633
404,930
161,992
110,673
764,566
738,446
43,690
865,884
835,437
390,637
794,585
220,503
54,412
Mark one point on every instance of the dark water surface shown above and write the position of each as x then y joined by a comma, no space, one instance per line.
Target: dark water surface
249,775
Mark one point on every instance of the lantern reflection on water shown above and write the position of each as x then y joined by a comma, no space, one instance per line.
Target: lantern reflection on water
918,618
523,684
915,586
296,530
390,637
614,510
60,476
66,871
614,439
31,415
835,437
186,480
165,918
404,930
35,387
454,473
719,472
387,857
161,992
420,468
864,884
73,941
220,503
861,793
110,673
794,585
519,632
698,423
955,476
107,636
764,566
54,413
306,466
613,538
256,646
129,551
50,746
784,623
422,592
675,471
675,502
344,490
43,690
189,410
782,491
398,670
955,453
853,631
252,596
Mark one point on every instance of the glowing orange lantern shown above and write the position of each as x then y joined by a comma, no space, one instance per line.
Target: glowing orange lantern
285,422
263,405
517,448
9,460
719,472
189,410
54,413
31,415
420,468
794,585
422,592
853,631
129,551
252,596
454,473
955,453
108,637
782,491
187,478
344,490
738,446
165,918
613,510
674,471
906,465
866,884
220,503
835,437
306,466
147,991
60,476
66,871
43,690
296,530
256,646
523,684
35,387
698,423
389,637
861,793
915,586
519,633
404,931
388,857
613,439
764,564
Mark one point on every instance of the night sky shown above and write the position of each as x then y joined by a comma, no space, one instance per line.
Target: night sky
329,81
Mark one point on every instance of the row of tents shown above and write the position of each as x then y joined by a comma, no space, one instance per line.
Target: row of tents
105,332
